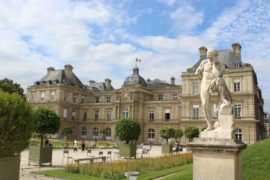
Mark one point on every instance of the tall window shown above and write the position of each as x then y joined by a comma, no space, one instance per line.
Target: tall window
53,95
73,114
65,97
108,99
236,86
237,110
125,113
96,115
195,88
95,131
42,96
151,133
160,97
85,115
238,134
82,99
108,114
97,99
74,99
108,132
65,113
174,96
33,97
167,115
195,111
83,131
151,115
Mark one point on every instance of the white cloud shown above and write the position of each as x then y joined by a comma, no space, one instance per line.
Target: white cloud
168,2
186,17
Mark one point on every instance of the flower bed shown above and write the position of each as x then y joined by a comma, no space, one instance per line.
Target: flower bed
117,169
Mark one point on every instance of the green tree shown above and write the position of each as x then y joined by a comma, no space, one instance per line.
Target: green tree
16,124
191,132
103,131
167,132
178,133
127,130
47,122
9,86
67,130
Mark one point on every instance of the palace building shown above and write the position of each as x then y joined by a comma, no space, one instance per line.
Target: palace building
88,109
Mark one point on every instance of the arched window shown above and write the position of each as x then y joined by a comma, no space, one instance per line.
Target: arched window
125,113
83,131
108,132
238,134
151,133
95,131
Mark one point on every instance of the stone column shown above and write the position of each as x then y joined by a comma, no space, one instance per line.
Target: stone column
217,159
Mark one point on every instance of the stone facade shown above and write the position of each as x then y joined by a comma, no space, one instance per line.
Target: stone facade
154,103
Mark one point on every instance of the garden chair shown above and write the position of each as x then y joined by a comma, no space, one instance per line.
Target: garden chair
100,154
88,152
109,155
66,155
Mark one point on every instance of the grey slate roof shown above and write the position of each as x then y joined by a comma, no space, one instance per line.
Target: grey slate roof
156,83
59,77
99,86
226,56
135,79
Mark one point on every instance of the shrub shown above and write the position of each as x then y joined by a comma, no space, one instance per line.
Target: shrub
191,132
178,133
127,130
116,169
47,122
167,133
16,124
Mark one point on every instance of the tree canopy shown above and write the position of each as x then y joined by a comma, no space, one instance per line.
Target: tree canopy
16,124
167,132
9,86
127,130
191,132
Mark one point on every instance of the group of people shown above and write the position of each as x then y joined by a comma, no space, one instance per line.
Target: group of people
75,145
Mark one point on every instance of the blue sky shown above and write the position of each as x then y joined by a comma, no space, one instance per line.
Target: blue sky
102,38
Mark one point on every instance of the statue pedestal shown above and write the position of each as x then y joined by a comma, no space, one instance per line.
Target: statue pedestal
217,159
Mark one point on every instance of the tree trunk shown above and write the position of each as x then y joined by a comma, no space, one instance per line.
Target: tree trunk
41,140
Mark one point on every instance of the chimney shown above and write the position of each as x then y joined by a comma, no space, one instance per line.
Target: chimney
50,69
108,83
91,82
236,49
172,80
68,70
203,52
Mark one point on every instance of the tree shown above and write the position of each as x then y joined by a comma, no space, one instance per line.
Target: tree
16,124
127,130
9,86
103,131
47,122
178,133
191,132
67,130
167,133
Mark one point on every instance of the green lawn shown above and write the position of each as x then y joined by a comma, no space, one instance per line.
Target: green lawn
256,166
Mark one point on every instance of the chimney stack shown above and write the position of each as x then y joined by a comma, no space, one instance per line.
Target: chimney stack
203,52
236,49
108,83
172,80
68,70
49,69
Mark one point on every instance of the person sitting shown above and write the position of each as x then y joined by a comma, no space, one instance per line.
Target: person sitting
178,148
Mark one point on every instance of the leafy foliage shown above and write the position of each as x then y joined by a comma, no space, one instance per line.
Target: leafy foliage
103,131
127,130
47,122
178,133
9,86
16,124
167,133
191,132
67,130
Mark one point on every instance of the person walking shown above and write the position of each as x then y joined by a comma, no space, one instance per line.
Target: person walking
83,145
75,145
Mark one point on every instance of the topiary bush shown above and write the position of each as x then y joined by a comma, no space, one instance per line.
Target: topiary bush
46,122
167,133
127,130
16,124
191,132
178,133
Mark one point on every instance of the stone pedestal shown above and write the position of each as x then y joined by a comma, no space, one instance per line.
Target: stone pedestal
217,159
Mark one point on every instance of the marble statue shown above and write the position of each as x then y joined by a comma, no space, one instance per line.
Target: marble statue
210,71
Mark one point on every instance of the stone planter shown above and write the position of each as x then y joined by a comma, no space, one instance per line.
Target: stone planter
10,168
128,150
167,148
40,155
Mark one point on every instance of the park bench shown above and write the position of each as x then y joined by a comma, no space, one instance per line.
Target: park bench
91,159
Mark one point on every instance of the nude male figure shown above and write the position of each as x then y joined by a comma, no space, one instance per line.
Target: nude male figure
210,71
